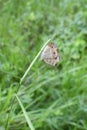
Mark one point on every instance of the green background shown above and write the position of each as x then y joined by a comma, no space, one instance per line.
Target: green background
55,98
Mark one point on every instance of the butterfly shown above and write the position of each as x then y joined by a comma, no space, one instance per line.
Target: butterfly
50,54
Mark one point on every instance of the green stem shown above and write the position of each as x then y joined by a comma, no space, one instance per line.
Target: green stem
26,72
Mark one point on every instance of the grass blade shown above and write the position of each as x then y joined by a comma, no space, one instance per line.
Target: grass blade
25,114
26,72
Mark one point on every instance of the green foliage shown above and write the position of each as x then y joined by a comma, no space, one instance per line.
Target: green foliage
54,98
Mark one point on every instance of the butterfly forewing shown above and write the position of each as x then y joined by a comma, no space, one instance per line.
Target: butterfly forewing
47,53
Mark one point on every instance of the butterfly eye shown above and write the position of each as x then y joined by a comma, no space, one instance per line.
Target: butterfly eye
55,58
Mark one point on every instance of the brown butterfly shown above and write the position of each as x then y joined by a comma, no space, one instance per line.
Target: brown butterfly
50,54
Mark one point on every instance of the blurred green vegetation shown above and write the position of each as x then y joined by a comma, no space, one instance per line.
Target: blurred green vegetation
55,98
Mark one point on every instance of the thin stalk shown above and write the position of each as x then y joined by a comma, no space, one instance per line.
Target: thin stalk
28,69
